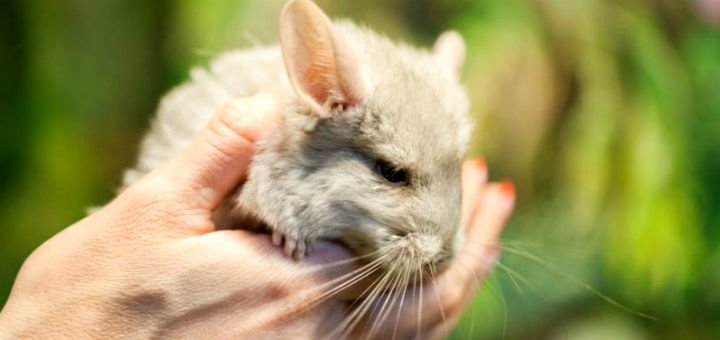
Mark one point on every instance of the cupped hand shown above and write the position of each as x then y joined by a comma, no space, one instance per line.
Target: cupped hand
151,264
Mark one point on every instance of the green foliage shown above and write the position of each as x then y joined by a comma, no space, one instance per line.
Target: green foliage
605,113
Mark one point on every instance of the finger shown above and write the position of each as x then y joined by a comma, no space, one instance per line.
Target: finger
478,257
217,159
480,253
496,205
474,176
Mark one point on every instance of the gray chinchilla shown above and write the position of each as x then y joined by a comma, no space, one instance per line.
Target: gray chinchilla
368,150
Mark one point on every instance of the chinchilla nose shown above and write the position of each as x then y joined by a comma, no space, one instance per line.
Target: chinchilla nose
437,265
428,248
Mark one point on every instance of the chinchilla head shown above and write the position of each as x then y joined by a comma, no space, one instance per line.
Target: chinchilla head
371,151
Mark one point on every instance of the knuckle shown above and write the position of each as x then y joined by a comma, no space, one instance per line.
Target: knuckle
247,117
232,120
225,138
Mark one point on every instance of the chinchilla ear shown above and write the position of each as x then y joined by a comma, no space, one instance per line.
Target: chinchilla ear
321,66
450,49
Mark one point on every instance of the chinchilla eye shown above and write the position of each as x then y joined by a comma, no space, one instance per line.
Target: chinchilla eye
391,173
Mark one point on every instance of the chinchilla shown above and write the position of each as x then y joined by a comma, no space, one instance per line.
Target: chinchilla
368,150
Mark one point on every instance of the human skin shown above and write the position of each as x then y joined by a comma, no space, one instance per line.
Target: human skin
151,264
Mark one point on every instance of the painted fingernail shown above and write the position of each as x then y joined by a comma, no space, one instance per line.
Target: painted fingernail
507,195
481,166
507,187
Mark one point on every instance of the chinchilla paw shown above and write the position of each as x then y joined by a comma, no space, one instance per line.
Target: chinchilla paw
293,247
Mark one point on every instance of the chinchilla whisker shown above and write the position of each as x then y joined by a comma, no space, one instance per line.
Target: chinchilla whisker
354,277
351,278
523,243
496,290
319,268
351,320
437,294
418,330
369,271
505,309
396,298
471,330
345,261
405,286
416,294
406,281
388,303
579,282
512,274
386,286
355,273
315,300
381,299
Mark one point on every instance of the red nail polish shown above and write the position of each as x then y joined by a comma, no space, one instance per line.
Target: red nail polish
480,163
507,187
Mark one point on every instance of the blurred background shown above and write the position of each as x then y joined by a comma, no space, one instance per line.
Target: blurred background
605,113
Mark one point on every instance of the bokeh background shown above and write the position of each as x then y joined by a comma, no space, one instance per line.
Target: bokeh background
605,113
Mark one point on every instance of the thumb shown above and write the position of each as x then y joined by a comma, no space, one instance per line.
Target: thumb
217,159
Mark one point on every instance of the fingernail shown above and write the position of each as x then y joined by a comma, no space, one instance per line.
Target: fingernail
507,187
481,166
480,163
506,199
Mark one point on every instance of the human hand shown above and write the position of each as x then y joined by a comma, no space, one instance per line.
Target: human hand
151,264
